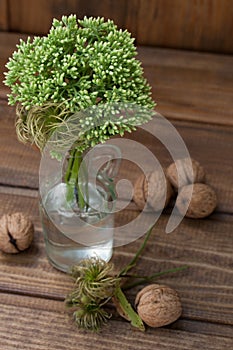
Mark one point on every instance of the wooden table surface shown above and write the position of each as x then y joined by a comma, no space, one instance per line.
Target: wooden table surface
195,92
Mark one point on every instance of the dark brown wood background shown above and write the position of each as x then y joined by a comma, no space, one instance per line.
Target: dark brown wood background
201,25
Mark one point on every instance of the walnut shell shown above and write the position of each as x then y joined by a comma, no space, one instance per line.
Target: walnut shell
16,233
153,190
139,195
184,170
158,305
203,200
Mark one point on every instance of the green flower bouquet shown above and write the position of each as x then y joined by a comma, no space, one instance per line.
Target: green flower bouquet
77,65
82,65
84,70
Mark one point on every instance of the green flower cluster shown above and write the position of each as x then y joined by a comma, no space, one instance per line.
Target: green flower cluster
80,63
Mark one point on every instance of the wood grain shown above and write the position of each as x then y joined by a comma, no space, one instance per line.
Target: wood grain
203,25
31,16
190,86
206,288
51,327
19,164
4,15
202,328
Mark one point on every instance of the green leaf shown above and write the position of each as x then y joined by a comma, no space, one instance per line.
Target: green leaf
125,309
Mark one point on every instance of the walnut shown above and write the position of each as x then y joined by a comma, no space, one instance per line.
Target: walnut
184,170
203,200
16,232
158,305
153,190
139,196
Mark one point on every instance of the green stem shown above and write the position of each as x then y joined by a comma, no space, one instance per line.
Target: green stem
71,178
137,255
144,279
127,310
86,188
69,167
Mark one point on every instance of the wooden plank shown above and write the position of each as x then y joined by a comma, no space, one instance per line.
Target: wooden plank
19,164
29,16
23,192
202,328
3,15
197,25
190,86
206,288
41,324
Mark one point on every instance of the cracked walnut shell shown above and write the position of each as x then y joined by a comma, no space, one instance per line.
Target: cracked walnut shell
185,173
16,233
152,190
158,305
203,200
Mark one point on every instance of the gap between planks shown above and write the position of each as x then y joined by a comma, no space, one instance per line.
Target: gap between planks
18,191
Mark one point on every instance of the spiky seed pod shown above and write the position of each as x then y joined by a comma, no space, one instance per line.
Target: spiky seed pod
95,284
94,279
90,316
